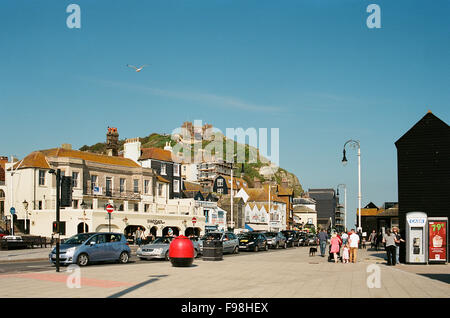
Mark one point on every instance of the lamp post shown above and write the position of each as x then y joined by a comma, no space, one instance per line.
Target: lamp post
84,206
57,173
355,143
345,203
25,205
232,220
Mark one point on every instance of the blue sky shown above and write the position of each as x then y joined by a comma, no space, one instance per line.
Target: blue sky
311,68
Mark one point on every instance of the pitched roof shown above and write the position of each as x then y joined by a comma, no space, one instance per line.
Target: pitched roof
369,212
285,191
427,122
191,186
36,159
156,153
238,183
261,195
161,179
303,209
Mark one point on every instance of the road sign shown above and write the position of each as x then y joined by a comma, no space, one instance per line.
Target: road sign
109,208
194,220
12,211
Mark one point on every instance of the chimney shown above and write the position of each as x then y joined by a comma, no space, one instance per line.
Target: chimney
284,183
66,146
132,149
112,142
168,146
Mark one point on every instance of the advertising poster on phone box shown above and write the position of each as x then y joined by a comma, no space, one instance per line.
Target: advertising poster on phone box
437,241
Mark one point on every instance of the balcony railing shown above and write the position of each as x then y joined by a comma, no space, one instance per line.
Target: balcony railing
115,193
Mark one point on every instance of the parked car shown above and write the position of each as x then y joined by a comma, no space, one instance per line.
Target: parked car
230,241
303,239
293,237
159,248
276,239
86,248
253,242
2,233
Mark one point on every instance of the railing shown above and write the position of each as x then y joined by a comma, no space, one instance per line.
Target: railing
112,193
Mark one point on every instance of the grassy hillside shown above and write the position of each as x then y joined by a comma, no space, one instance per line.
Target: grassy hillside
251,170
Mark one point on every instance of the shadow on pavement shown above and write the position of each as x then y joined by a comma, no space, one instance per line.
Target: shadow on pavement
135,287
441,277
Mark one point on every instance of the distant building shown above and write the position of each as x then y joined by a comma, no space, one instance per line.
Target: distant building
379,218
326,204
423,163
222,185
305,214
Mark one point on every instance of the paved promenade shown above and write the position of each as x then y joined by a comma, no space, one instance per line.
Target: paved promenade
282,273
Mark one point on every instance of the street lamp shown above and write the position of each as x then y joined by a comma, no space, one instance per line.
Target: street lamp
232,220
25,205
354,144
84,207
345,202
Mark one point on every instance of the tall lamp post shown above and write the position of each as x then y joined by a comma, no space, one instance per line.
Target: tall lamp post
345,203
355,144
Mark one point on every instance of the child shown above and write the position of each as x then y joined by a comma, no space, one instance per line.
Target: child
364,243
345,254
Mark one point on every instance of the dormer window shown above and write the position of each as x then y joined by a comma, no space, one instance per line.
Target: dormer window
163,169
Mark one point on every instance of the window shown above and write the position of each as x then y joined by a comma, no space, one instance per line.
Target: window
206,212
122,185
136,186
94,180
41,177
75,179
176,170
146,207
160,189
136,207
176,185
146,186
220,190
75,204
108,186
40,205
163,168
220,182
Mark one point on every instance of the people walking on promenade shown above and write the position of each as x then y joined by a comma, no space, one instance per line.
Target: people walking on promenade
390,239
323,238
138,236
335,246
379,240
373,239
397,244
344,238
345,253
353,242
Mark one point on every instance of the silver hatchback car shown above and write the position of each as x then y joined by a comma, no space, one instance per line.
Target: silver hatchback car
159,248
85,248
230,241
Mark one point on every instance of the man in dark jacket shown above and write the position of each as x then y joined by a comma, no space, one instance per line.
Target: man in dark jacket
323,238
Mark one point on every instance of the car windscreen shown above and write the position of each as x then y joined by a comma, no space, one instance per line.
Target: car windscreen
162,240
78,239
270,234
248,236
212,236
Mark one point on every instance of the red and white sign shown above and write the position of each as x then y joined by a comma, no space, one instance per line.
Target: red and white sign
194,220
437,240
109,208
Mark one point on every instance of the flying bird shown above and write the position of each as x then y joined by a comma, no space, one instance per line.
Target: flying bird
138,69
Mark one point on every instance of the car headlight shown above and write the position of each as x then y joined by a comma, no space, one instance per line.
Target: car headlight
70,251
251,243
139,250
158,250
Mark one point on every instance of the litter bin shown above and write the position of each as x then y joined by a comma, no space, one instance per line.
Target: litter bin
212,250
181,252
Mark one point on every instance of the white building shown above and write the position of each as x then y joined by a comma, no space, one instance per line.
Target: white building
140,197
262,214
305,212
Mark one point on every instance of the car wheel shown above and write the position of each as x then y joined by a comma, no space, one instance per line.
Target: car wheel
166,256
83,259
277,246
266,247
124,258
195,253
236,250
256,248
285,245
